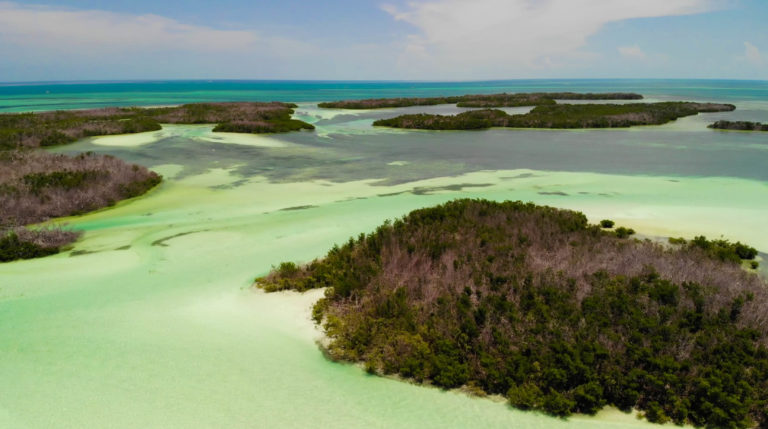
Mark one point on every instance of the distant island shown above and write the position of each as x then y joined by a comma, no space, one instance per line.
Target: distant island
36,186
739,126
479,100
29,130
558,116
558,315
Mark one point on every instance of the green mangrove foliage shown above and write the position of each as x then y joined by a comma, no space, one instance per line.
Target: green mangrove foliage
471,120
277,125
723,250
559,116
559,315
739,126
36,186
23,243
539,99
235,117
37,182
61,127
13,248
623,232
478,100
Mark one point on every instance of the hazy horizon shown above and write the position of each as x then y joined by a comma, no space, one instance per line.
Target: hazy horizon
362,81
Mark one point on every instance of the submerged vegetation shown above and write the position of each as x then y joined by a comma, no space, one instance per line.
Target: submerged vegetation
36,186
739,126
559,116
19,130
556,314
479,100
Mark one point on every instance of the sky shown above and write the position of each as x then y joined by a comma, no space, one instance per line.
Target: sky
382,40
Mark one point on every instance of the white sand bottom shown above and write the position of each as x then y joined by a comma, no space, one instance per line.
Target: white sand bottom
153,324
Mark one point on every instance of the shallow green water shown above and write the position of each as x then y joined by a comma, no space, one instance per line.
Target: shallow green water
150,321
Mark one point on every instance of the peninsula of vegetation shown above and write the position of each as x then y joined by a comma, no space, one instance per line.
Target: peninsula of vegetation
36,186
556,314
60,127
739,126
479,100
559,116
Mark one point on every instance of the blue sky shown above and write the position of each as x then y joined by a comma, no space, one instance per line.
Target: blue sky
387,40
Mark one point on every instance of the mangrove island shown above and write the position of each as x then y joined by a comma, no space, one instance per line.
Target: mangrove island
558,116
536,304
61,127
36,186
479,100
739,126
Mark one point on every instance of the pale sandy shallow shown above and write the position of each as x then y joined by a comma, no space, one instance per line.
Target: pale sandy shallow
129,140
153,324
195,132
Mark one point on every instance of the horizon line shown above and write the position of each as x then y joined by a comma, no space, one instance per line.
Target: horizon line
204,80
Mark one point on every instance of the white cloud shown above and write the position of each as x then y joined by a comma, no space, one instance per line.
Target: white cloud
54,43
78,30
451,39
633,51
508,38
753,54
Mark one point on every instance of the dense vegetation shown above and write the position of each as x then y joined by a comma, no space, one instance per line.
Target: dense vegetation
539,99
61,127
558,315
22,243
739,126
559,116
480,100
235,117
36,186
720,249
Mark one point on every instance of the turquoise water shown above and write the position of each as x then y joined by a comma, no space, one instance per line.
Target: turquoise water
51,96
150,320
